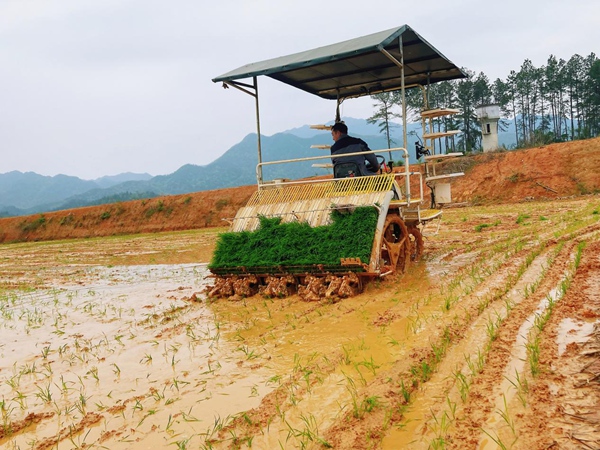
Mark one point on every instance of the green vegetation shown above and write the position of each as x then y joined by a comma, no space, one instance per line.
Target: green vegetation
33,225
514,177
222,203
481,226
535,97
67,220
160,207
350,235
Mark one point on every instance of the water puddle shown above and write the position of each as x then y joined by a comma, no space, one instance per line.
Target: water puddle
124,342
571,331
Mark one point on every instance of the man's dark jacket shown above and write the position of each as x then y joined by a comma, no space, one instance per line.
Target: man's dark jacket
348,144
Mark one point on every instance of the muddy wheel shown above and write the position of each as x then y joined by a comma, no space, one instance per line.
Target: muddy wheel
416,244
395,246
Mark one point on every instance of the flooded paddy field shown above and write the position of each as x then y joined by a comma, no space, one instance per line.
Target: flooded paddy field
491,341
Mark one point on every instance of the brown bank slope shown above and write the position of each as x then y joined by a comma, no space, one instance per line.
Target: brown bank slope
553,171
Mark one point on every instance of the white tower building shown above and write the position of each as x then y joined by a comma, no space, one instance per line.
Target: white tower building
488,115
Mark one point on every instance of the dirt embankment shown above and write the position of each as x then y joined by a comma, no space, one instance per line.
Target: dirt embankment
170,213
549,172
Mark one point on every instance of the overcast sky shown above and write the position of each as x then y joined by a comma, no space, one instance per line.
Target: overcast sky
94,88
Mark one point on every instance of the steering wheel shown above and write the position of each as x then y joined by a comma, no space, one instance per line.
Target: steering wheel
383,167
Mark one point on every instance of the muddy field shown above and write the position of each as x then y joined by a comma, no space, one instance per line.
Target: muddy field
491,341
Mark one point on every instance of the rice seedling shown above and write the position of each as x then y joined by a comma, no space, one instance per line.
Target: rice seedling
137,406
404,392
492,329
176,382
414,323
44,393
496,439
370,365
441,428
451,406
189,418
182,444
505,415
521,385
45,351
309,433
246,351
116,369
94,373
81,402
14,381
422,372
393,342
463,384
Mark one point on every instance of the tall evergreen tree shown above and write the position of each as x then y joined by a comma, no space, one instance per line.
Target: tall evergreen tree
501,97
384,113
555,102
465,98
593,97
574,75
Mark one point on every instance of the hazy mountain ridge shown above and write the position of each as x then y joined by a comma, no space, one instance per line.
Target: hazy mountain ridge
111,180
29,193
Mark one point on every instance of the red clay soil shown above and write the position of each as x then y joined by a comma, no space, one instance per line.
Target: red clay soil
549,172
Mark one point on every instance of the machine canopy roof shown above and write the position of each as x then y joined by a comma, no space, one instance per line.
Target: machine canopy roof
356,67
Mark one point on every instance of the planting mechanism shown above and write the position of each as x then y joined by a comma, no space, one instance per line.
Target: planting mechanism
327,236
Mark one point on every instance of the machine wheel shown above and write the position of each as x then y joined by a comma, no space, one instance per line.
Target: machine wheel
395,245
416,243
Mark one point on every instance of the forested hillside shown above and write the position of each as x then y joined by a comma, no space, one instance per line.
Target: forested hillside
557,102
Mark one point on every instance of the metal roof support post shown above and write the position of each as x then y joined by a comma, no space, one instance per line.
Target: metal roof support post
244,87
259,176
400,65
430,120
404,133
403,90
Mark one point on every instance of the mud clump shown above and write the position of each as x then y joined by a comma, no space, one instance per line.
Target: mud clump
278,287
311,289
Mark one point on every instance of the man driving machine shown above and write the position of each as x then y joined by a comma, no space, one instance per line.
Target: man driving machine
351,166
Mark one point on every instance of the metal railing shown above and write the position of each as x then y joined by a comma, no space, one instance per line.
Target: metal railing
322,191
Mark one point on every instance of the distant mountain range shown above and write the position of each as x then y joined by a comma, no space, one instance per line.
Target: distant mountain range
30,193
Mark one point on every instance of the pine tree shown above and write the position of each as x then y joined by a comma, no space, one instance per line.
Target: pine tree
384,113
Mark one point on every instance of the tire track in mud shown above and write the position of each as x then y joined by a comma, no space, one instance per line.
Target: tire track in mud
486,392
452,335
570,366
435,407
408,378
502,426
459,425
